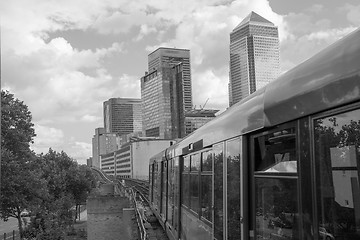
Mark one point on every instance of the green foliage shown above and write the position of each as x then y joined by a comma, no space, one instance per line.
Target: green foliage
17,130
47,185
19,184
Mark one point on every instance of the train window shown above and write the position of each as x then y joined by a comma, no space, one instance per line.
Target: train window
163,188
170,198
233,188
218,191
337,158
195,163
276,191
276,208
206,161
176,193
186,164
185,180
194,182
275,152
206,185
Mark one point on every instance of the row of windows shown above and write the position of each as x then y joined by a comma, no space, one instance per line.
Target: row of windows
123,161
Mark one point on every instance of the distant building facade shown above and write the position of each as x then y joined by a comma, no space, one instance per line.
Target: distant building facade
132,159
254,56
89,162
196,118
163,102
171,57
122,115
102,143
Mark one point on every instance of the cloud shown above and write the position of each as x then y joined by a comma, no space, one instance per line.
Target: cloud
353,13
144,30
47,137
81,151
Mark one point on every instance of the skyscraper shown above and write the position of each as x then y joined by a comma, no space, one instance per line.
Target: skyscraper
163,104
171,57
254,56
122,115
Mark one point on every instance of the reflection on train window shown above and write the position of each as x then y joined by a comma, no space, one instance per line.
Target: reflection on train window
186,163
176,193
233,188
194,182
206,185
275,152
195,163
163,187
170,188
337,158
218,191
276,191
206,162
185,182
194,192
276,208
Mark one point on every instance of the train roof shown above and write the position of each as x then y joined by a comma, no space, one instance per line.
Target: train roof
329,79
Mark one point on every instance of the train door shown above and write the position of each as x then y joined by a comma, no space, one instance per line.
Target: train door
274,205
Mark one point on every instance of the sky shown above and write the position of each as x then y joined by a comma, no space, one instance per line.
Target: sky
65,58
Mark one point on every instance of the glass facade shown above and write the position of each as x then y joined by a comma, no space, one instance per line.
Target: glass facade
163,114
172,57
254,56
122,115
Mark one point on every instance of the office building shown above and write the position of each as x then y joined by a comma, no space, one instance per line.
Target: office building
196,118
132,159
171,57
162,101
102,143
254,56
122,115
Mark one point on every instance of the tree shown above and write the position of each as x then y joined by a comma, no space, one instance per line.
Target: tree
19,184
67,185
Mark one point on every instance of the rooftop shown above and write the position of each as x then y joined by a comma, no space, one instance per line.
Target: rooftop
254,18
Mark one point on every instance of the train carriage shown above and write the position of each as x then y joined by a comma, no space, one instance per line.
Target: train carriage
284,163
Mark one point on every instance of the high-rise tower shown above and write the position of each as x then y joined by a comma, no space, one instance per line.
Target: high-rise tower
172,57
163,104
122,115
254,56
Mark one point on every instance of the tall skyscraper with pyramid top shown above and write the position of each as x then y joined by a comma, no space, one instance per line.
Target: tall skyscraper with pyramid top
254,56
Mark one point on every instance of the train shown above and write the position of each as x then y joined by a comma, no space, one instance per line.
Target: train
282,163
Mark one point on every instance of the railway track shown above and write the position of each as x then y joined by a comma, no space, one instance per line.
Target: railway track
153,228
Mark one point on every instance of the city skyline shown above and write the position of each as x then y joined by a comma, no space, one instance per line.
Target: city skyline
64,60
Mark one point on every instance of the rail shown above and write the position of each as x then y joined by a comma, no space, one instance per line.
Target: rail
140,217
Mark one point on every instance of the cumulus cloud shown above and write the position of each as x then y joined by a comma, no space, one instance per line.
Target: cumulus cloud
353,13
47,137
65,85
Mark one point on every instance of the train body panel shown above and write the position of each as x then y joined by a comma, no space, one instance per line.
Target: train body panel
284,163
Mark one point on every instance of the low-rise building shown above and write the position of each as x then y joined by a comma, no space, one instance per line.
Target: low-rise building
132,159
